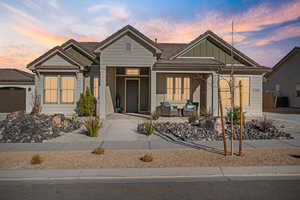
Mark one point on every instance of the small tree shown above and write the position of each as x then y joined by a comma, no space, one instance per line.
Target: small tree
87,105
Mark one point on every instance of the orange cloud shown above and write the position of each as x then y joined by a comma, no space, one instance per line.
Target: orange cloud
40,35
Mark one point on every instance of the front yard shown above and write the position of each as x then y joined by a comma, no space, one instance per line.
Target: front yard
161,158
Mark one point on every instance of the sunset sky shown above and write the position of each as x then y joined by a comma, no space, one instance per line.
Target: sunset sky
264,30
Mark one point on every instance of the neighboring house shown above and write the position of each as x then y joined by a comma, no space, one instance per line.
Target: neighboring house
16,90
131,71
284,80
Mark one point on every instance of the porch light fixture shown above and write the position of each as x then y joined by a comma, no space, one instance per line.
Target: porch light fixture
133,72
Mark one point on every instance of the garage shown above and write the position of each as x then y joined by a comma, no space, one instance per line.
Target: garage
12,99
16,90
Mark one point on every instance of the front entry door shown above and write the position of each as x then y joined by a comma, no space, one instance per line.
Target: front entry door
132,96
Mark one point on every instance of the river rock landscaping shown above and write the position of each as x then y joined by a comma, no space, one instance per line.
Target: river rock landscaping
27,128
208,130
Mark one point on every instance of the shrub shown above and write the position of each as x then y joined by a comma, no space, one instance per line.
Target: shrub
193,118
149,127
86,104
98,151
236,115
36,160
155,115
147,158
265,125
93,125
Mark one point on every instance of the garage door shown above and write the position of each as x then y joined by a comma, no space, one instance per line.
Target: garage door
12,99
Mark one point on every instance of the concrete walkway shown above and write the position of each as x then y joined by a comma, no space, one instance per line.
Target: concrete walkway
151,173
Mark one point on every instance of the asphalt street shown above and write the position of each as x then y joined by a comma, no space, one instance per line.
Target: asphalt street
181,189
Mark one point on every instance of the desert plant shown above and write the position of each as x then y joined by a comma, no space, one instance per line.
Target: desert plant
147,158
36,110
98,151
193,118
86,104
149,127
36,160
93,125
155,115
265,125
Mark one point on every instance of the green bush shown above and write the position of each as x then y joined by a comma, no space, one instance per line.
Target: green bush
87,105
147,158
98,151
149,127
36,160
236,115
93,125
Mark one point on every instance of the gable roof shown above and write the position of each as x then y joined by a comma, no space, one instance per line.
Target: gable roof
218,40
80,46
15,75
54,51
284,59
127,29
170,49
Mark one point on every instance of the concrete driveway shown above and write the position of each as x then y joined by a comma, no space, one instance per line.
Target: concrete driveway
291,118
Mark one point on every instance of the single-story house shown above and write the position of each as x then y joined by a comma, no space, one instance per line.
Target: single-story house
284,79
133,72
16,90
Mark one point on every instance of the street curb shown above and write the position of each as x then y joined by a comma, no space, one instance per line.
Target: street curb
150,173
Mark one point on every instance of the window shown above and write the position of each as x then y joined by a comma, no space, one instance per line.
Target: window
64,84
181,91
51,87
67,89
297,89
225,90
245,91
133,72
170,88
96,87
186,88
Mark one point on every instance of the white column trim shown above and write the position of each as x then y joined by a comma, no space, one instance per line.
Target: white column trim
153,90
102,92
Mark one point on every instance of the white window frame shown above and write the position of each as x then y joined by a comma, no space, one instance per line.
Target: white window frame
45,89
178,89
61,89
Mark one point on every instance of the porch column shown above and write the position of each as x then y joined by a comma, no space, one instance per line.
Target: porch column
215,99
153,91
102,92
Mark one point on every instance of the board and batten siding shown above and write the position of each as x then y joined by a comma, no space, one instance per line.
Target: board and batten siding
116,54
206,48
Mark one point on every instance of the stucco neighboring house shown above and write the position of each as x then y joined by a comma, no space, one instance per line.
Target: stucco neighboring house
16,90
131,71
284,79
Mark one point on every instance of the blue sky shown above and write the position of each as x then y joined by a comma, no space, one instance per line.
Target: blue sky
264,30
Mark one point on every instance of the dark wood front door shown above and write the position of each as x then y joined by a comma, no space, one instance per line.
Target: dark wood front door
12,99
132,96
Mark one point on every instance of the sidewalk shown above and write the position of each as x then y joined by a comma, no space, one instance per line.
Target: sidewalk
151,173
142,145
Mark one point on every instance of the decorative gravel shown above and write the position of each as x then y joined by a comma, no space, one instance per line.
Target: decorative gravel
35,129
161,158
207,131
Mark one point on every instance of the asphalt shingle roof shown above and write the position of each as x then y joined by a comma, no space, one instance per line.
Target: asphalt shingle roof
15,75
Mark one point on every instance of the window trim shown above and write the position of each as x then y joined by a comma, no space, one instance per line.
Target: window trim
61,90
44,89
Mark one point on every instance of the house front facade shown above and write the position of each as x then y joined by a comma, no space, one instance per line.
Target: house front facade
131,73
284,80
